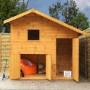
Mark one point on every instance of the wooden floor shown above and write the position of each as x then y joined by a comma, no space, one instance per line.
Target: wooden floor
38,76
43,77
60,76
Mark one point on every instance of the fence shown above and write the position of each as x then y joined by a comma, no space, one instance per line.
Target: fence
4,49
85,55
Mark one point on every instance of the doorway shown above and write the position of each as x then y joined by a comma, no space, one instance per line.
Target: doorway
64,58
35,66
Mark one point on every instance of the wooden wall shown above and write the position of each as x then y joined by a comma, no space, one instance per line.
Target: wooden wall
4,49
49,31
35,58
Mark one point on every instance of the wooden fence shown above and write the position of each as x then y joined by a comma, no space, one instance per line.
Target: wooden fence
4,49
85,55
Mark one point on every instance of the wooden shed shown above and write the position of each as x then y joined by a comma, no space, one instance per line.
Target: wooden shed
43,39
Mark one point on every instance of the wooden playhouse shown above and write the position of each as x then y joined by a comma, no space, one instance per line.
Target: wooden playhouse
43,39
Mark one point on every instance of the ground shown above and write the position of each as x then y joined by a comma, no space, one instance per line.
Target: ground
43,85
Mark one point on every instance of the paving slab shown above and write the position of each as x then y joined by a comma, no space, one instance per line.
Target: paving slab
43,85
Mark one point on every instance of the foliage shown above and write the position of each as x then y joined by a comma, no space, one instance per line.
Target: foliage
69,11
70,14
9,8
55,10
80,21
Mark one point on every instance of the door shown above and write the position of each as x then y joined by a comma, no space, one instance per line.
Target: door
14,72
48,67
75,59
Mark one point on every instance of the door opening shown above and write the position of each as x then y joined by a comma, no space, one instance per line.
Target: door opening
33,66
64,58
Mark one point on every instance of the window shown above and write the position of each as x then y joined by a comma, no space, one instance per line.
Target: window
33,34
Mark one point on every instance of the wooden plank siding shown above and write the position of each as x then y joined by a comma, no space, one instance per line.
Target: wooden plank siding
75,59
20,44
4,49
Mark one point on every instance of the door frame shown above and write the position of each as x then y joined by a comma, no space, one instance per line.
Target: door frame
75,59
60,77
48,69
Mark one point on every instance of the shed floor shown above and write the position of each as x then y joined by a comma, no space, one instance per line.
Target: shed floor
36,76
43,85
60,76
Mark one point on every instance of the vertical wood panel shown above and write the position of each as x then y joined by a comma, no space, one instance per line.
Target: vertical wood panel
4,50
14,72
48,67
75,58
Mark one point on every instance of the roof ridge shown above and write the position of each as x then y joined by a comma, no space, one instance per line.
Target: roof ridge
47,17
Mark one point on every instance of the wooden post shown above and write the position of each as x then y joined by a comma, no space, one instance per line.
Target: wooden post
48,67
75,59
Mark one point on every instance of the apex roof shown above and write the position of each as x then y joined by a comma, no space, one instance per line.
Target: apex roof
47,17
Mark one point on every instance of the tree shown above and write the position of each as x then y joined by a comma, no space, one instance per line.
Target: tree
80,21
70,14
55,10
69,11
9,8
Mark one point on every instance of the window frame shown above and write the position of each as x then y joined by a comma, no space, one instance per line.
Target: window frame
38,34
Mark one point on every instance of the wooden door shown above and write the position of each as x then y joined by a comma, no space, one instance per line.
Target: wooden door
75,59
48,67
14,72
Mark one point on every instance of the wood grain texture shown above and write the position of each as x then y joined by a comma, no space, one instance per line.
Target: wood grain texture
49,32
34,77
48,67
75,58
85,55
4,50
64,55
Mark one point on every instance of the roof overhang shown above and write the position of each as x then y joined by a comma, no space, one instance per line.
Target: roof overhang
47,17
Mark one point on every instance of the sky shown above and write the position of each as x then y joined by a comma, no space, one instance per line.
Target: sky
43,5
84,6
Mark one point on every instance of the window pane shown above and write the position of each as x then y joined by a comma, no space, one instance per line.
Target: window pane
33,34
